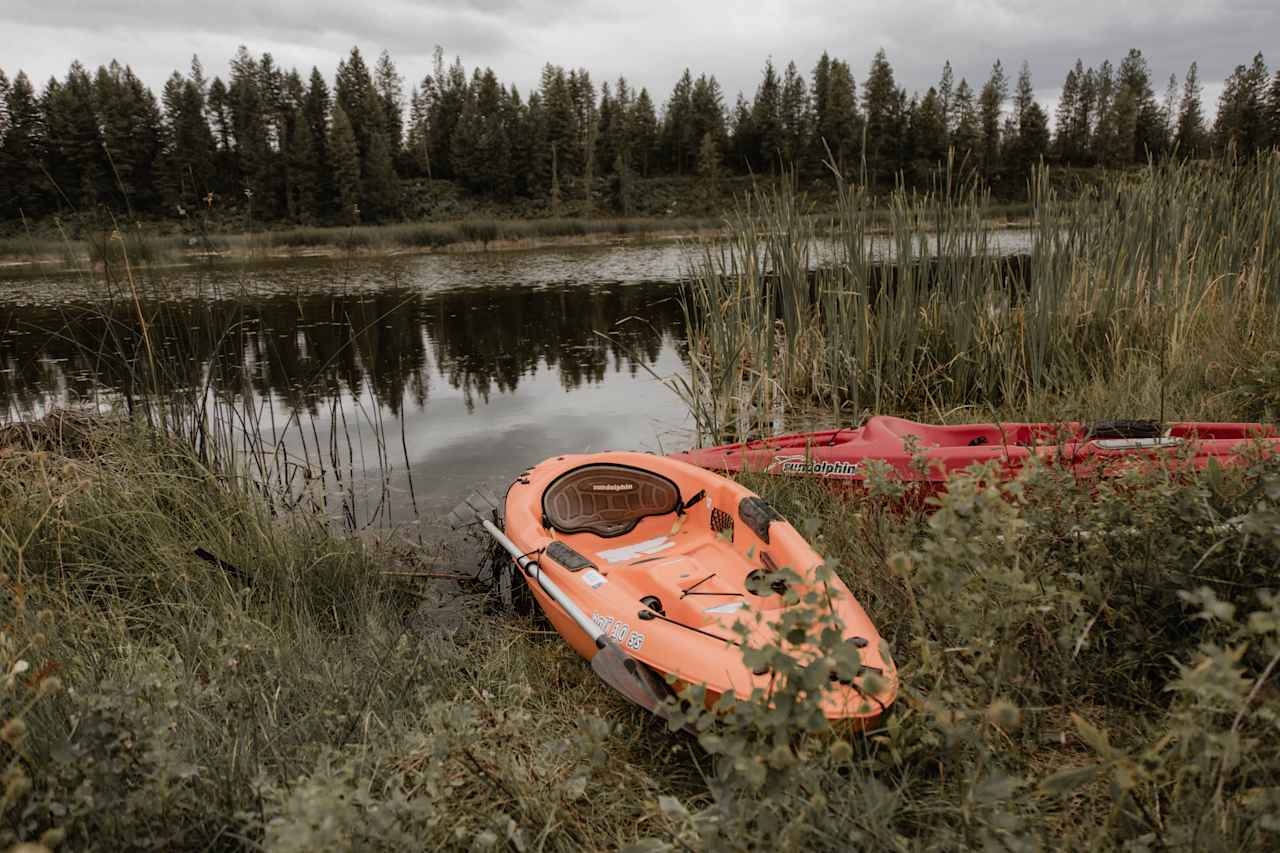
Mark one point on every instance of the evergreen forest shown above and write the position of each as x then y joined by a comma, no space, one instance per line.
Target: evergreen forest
280,146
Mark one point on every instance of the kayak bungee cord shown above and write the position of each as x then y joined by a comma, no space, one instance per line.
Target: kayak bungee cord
650,614
689,590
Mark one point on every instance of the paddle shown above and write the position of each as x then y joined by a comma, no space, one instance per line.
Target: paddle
615,667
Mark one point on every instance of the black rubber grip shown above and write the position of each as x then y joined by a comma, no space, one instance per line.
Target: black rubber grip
567,557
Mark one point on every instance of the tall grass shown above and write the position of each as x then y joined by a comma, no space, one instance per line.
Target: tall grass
1172,273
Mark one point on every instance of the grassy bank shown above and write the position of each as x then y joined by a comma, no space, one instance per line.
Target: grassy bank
1082,668
294,697
1156,286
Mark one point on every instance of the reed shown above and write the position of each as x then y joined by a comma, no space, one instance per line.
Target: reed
1173,271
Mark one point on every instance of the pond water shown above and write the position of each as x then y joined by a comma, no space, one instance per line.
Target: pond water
417,379
408,380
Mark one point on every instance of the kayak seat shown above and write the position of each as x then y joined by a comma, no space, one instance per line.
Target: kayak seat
606,499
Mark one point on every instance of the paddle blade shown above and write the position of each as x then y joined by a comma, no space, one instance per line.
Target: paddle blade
477,507
631,678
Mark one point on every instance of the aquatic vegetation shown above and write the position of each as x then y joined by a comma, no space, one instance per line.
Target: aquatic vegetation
1156,288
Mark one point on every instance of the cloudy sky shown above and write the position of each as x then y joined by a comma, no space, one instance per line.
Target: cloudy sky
648,41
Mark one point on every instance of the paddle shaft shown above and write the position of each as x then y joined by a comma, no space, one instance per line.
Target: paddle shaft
594,631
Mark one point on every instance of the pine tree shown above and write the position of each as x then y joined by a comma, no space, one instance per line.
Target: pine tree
345,158
905,151
301,161
297,172
1241,125
515,124
1105,124
418,143
766,121
624,109
1064,143
838,124
946,97
882,107
482,146
820,87
249,112
390,88
465,158
1023,97
315,112
129,118
562,121
1031,142
537,176
966,139
990,105
446,110
22,152
582,92
218,111
706,115
795,114
644,131
1190,136
678,141
187,164
1136,116
929,132
614,144
743,143
354,92
76,159
1074,125
606,141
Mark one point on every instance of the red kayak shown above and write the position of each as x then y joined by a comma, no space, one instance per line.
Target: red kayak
1091,449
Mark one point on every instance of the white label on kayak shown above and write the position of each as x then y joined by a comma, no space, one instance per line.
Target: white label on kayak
593,579
731,607
817,467
638,549
1136,443
619,632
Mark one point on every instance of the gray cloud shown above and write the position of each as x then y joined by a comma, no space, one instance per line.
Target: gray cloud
651,42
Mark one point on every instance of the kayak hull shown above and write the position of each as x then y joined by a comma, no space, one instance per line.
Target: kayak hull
681,591
927,455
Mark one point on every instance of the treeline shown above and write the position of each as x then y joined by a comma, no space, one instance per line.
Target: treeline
276,146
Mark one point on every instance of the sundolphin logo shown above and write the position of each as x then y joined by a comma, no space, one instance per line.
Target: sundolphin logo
805,465
612,487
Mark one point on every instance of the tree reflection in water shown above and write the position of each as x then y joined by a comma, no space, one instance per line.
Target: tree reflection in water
331,358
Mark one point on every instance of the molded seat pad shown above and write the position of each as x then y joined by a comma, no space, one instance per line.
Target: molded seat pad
607,499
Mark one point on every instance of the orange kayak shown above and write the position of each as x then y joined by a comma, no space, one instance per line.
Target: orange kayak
670,560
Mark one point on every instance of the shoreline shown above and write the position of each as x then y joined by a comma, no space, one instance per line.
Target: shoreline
384,241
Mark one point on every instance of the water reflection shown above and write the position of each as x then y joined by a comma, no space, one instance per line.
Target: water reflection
454,386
